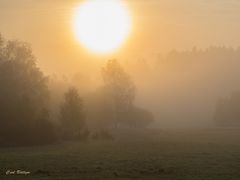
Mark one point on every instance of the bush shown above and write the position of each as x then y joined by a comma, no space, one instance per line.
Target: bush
102,134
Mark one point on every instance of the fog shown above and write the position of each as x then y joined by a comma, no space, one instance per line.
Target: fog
132,89
181,88
159,26
179,67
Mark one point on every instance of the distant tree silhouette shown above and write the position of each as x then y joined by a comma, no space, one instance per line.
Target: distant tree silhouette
140,118
228,111
23,95
120,90
115,101
72,116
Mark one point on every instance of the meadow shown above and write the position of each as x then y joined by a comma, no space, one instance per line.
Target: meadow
151,154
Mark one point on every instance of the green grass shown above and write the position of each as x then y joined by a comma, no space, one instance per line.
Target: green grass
153,154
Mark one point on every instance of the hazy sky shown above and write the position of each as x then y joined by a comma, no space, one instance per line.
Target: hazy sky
158,27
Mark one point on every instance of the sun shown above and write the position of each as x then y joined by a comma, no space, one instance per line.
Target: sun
102,26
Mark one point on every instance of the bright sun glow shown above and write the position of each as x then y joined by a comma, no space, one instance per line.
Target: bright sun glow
102,25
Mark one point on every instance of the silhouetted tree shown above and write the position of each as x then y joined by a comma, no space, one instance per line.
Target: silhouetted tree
120,90
140,118
113,104
72,116
23,94
228,111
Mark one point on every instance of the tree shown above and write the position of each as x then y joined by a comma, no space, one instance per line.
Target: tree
72,116
120,91
23,94
228,111
112,105
140,118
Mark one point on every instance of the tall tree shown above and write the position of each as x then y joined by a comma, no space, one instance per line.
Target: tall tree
72,116
120,90
23,93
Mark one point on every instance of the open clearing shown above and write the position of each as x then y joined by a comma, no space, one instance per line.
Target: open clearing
153,154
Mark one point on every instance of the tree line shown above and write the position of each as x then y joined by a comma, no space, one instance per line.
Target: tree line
24,102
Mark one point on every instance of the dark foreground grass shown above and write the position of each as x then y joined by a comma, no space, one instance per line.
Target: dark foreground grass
153,154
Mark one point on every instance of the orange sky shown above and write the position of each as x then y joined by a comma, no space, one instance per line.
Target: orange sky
159,26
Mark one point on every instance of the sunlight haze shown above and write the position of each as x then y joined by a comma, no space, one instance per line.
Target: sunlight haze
159,27
120,89
102,26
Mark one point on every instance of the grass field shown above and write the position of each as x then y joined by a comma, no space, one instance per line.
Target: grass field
152,154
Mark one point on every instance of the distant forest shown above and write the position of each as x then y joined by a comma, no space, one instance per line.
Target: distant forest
27,116
194,88
211,76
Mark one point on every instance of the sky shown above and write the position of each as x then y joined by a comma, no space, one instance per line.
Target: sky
158,27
